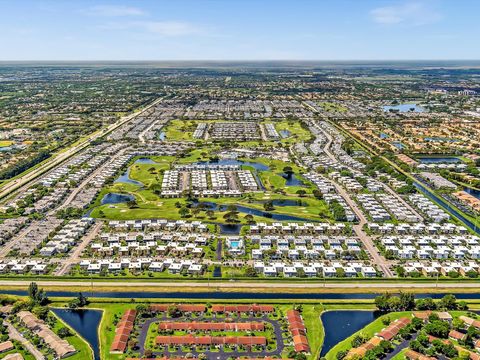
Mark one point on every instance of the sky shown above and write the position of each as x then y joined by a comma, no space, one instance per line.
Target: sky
239,30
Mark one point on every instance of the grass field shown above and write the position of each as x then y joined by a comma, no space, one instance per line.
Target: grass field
332,107
5,143
180,130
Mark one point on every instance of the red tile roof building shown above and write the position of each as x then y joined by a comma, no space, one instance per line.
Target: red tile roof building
204,326
392,330
181,307
298,330
243,308
211,340
122,332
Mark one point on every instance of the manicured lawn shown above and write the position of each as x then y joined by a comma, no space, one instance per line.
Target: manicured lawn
297,132
331,107
180,130
315,331
400,355
107,327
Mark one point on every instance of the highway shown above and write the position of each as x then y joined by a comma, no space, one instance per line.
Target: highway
365,285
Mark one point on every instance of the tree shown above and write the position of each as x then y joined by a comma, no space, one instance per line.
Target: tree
250,272
174,312
472,274
358,340
437,328
400,270
425,304
36,295
448,302
249,219
79,301
407,301
231,217
268,205
64,332
288,170
41,312
184,212
341,354
317,194
301,192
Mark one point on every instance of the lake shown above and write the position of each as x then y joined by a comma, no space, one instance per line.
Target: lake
145,161
405,108
84,322
125,178
255,165
114,198
339,325
269,215
247,210
285,133
440,139
398,145
438,160
292,180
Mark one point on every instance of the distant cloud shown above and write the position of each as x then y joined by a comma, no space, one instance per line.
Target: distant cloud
170,28
159,28
412,13
114,11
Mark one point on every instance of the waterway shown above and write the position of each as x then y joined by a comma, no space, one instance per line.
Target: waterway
444,204
273,295
473,192
342,324
85,323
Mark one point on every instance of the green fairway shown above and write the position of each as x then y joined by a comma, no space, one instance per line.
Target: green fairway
149,205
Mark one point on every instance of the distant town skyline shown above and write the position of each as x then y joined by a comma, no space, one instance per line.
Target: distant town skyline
239,30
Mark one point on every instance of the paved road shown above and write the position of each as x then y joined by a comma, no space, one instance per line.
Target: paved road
14,334
62,156
87,181
74,257
377,258
362,286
